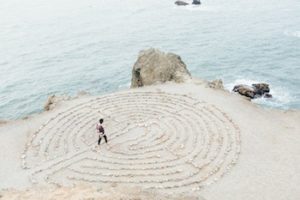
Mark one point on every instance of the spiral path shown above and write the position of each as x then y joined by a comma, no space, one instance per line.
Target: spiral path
156,140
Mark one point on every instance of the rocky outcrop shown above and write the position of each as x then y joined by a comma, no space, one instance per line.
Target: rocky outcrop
244,90
53,100
155,67
253,91
50,103
196,2
181,3
216,84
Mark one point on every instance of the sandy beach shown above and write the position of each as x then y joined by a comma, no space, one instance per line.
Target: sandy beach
200,100
184,139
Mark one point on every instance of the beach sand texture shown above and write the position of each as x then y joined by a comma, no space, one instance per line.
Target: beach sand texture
172,138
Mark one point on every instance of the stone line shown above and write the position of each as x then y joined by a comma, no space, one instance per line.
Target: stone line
158,140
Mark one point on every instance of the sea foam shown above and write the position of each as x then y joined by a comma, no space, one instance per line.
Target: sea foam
292,33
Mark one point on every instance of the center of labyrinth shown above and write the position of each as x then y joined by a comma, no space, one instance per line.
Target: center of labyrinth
156,140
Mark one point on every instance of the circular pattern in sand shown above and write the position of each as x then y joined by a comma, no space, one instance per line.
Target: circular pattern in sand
156,140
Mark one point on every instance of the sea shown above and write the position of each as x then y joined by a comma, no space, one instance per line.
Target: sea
66,46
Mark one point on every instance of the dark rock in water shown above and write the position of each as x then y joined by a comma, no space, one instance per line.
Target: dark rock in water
267,95
181,3
196,2
245,90
261,88
255,91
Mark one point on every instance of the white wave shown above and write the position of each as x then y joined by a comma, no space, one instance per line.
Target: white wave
292,33
281,98
200,8
124,86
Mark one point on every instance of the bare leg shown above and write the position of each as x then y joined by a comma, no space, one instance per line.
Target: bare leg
99,141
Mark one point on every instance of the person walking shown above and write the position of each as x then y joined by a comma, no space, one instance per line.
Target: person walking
101,131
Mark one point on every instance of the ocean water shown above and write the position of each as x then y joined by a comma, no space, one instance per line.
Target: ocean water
65,46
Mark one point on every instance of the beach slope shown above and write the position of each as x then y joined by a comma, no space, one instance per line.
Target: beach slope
173,138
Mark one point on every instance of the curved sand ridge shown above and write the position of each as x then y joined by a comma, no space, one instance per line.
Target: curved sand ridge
157,140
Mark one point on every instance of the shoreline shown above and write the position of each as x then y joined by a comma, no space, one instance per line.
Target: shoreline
271,129
196,80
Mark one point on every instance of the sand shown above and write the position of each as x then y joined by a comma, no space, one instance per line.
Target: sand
84,191
179,139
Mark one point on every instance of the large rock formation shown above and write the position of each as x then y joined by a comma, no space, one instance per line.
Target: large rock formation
154,67
254,91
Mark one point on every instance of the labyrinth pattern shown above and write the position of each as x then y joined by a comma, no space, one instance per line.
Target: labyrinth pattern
156,140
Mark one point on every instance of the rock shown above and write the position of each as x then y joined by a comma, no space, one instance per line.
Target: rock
50,101
53,100
196,2
254,91
267,95
245,90
216,84
261,88
155,67
181,3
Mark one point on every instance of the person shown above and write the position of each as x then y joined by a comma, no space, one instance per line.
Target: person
101,131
